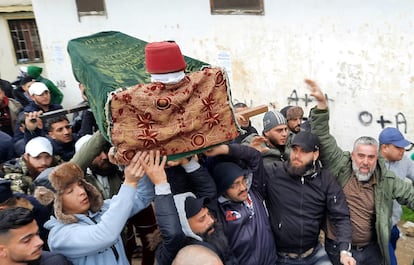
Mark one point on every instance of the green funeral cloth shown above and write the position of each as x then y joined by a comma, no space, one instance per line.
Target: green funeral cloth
109,60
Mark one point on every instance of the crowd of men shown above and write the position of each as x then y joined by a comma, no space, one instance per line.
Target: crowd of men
260,199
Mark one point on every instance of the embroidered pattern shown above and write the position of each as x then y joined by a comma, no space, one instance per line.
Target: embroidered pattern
177,118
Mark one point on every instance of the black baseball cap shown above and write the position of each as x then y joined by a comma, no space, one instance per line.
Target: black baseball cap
194,205
307,141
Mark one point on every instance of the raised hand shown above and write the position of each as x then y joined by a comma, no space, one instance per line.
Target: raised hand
135,171
241,119
317,93
154,167
32,120
257,143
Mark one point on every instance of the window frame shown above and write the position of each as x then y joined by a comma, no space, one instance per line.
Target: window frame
91,12
259,10
31,40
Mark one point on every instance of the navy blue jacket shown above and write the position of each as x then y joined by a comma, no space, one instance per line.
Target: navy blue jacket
249,235
32,106
6,147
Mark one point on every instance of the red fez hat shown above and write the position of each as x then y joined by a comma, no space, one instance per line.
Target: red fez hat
163,57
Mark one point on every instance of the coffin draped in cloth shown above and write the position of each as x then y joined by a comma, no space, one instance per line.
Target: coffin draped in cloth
136,115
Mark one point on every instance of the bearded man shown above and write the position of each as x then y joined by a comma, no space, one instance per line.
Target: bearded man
369,187
273,143
22,171
183,218
300,196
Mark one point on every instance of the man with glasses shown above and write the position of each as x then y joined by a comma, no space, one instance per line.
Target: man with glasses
239,175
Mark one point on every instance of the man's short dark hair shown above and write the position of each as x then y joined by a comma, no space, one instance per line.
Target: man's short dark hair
13,218
51,121
240,105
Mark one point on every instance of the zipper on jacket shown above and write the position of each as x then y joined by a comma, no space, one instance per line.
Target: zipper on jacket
302,179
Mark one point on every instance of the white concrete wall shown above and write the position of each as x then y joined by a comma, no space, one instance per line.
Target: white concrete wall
8,71
361,52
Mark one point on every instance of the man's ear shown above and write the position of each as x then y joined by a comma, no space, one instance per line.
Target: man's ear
3,252
315,155
51,134
352,155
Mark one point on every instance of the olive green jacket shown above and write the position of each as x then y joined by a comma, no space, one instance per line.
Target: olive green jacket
387,188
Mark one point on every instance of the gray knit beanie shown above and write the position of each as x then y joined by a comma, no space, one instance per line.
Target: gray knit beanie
272,119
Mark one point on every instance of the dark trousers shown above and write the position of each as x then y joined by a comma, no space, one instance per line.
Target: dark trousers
368,255
394,236
144,223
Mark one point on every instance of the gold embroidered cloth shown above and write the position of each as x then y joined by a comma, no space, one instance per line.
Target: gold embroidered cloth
180,119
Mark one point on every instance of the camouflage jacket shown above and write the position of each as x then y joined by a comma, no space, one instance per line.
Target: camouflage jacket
17,172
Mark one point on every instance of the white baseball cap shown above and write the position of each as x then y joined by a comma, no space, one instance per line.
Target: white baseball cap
37,88
38,145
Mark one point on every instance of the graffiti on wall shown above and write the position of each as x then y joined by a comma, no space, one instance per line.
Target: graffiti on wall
61,84
294,97
366,118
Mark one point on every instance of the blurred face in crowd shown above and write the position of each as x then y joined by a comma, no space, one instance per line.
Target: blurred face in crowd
26,86
238,190
38,164
277,135
391,152
75,199
21,245
102,161
294,124
101,165
61,131
2,95
245,122
202,223
42,99
364,160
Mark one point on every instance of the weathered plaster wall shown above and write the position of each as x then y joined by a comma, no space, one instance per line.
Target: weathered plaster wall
359,51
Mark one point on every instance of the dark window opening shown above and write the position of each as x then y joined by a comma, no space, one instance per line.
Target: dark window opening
237,7
90,7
